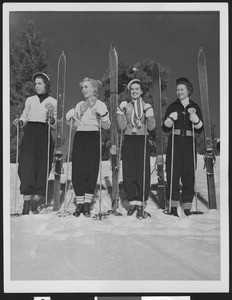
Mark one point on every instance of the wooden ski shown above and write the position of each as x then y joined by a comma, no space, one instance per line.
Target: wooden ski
157,101
58,157
113,66
209,151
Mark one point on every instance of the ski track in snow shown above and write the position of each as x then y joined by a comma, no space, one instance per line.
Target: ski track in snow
46,247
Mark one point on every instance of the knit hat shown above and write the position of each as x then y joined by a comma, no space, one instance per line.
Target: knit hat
40,74
131,82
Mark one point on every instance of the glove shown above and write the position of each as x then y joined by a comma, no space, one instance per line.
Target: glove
171,119
70,114
119,112
194,118
174,116
18,122
50,113
50,116
101,112
123,106
148,110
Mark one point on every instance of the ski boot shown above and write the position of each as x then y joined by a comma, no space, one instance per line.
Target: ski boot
26,204
187,212
86,209
34,207
79,210
173,212
142,214
131,210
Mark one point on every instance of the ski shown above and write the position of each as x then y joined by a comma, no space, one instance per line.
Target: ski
157,105
209,152
58,157
113,66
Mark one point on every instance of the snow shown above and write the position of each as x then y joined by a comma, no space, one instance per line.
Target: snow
46,247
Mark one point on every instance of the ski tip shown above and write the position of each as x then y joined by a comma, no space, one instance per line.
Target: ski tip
201,50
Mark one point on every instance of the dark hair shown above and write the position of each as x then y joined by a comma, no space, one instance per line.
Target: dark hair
140,83
187,83
46,82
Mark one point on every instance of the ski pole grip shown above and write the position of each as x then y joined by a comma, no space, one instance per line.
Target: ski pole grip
192,110
49,108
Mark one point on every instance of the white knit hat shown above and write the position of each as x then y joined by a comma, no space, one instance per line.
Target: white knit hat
40,74
131,82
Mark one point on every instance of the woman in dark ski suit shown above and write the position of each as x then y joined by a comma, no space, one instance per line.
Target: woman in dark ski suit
181,116
131,119
86,144
39,110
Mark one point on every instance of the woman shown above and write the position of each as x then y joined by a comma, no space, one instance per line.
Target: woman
184,117
40,109
88,115
135,118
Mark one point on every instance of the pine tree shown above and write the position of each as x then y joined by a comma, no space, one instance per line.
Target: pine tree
27,56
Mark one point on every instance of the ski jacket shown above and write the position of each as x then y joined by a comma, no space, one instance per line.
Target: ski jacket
36,111
87,118
124,120
183,122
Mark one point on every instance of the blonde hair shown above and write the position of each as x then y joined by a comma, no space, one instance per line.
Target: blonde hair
96,84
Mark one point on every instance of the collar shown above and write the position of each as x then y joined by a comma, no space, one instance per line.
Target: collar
42,97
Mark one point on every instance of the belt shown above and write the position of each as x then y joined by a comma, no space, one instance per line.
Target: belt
183,133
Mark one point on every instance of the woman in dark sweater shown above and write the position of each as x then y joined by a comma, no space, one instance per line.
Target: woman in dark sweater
183,116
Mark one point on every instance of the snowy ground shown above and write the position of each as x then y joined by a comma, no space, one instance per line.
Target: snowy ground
48,247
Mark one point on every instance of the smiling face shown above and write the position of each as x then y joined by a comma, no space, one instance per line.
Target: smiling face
87,89
136,91
182,91
40,86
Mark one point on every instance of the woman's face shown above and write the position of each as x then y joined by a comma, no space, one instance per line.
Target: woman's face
135,91
87,89
181,91
40,86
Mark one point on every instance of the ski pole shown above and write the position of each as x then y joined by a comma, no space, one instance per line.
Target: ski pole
49,107
171,179
144,161
194,166
16,166
119,162
67,171
100,199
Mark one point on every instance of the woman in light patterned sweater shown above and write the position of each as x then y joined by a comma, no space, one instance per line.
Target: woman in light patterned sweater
86,144
131,118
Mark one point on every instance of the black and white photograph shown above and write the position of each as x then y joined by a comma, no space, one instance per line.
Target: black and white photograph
115,148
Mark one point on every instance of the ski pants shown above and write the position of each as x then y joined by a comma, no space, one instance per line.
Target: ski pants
132,167
85,161
183,169
32,168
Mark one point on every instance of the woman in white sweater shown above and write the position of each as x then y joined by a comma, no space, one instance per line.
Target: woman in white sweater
87,117
40,109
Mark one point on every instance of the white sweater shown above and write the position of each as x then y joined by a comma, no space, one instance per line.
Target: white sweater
88,120
35,111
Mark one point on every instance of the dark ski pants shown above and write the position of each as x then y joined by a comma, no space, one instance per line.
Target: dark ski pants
132,167
85,161
183,169
33,159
